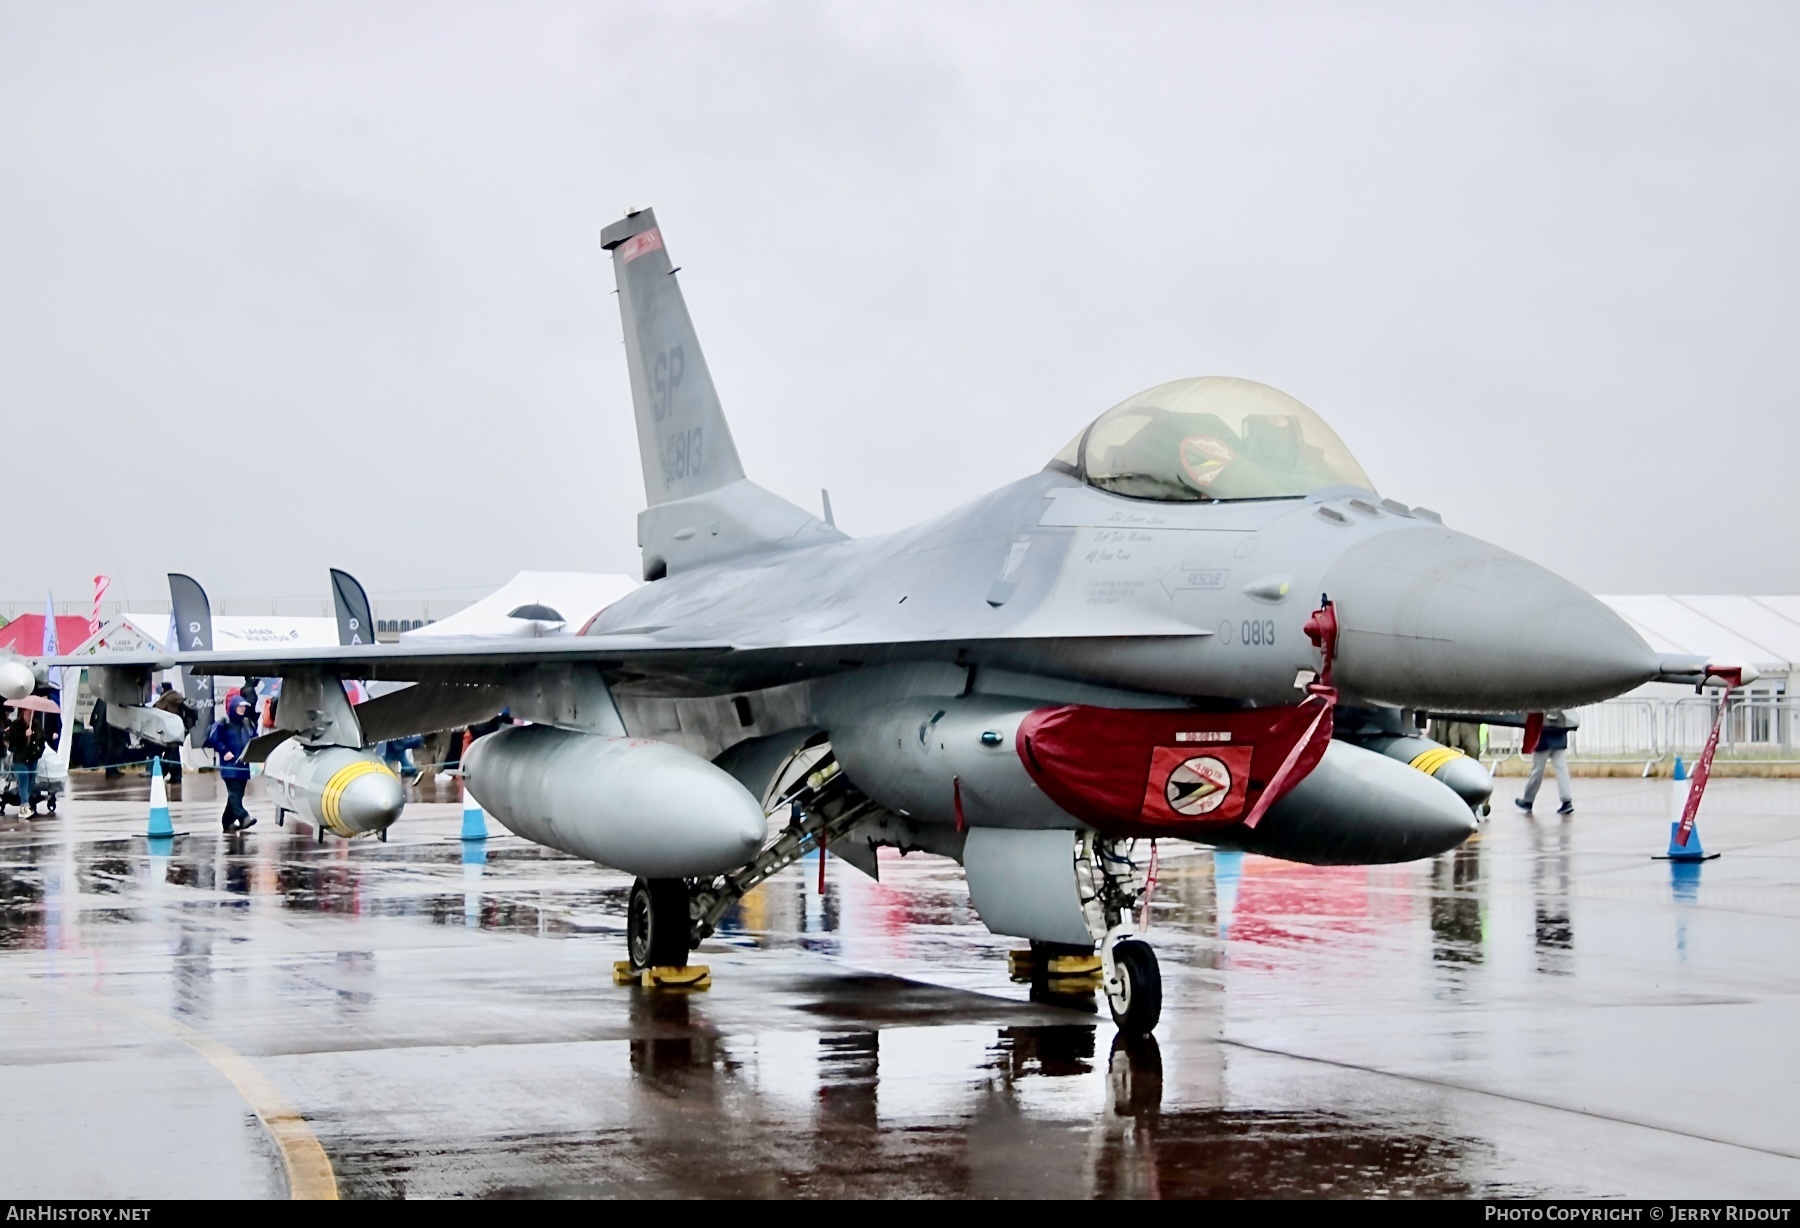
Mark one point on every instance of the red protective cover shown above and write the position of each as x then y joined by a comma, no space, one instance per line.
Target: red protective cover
1134,772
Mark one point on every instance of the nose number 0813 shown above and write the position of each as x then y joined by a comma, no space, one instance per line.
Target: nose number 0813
1257,633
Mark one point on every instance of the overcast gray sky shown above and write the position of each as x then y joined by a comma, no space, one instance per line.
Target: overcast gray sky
284,287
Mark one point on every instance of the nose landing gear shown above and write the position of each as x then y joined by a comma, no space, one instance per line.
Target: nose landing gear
1112,883
1134,986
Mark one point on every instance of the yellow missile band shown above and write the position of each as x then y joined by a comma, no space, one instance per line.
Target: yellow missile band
1430,761
334,791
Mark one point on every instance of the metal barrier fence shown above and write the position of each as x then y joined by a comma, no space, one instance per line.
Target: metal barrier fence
1758,724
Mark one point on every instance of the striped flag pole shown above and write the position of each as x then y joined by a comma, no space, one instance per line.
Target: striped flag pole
101,584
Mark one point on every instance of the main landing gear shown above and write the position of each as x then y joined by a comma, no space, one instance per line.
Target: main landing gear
668,917
656,923
1112,884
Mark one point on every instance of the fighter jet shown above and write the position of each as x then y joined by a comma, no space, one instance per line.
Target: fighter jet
1198,621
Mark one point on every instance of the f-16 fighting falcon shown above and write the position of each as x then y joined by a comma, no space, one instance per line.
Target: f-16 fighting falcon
1198,621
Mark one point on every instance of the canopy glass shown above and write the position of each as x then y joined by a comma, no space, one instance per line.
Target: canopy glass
1210,438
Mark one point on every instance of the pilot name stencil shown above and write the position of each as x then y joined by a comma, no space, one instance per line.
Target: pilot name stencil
1111,592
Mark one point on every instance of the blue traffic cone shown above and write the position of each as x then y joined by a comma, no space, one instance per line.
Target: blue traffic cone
474,821
160,827
1691,851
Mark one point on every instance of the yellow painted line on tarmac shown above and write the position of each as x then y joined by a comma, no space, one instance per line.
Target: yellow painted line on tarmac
309,1174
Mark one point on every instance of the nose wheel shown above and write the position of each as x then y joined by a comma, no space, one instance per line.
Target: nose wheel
1134,987
657,924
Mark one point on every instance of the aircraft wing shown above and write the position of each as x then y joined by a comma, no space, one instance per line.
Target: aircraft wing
470,660
656,664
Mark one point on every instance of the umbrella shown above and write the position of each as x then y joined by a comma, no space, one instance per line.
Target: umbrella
37,703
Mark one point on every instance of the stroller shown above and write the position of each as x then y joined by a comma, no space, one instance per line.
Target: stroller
50,781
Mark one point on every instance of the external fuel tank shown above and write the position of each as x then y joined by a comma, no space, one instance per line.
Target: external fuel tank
645,807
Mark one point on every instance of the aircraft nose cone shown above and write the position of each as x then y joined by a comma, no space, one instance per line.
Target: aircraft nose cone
1431,617
371,802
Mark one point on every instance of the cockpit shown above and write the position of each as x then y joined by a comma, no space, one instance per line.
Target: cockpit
1211,438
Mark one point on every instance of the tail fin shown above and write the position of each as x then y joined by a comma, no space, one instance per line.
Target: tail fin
356,624
683,440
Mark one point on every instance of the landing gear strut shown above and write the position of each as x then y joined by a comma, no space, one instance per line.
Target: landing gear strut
1112,883
656,923
668,917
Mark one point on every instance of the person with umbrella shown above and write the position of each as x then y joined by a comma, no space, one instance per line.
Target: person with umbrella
25,741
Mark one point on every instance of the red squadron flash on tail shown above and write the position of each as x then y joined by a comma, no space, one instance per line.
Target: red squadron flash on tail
638,245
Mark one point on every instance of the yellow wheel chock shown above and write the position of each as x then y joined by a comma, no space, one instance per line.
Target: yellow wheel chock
694,976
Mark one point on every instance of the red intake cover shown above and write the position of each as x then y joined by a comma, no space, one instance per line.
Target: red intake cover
1136,772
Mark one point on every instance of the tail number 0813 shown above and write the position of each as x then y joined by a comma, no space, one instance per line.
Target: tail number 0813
681,454
1257,633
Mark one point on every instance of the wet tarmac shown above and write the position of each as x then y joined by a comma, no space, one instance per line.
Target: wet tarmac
1546,1011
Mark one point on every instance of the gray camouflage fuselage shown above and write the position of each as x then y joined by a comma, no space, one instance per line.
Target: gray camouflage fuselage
1105,580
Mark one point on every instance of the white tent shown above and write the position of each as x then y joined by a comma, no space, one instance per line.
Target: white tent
574,598
1733,630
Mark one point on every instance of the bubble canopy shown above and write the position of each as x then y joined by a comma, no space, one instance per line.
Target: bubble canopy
1210,438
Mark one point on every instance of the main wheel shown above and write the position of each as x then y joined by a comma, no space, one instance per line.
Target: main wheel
656,923
1137,1002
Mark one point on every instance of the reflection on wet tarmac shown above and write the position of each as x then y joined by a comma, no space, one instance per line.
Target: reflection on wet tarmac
443,1013
1456,906
1554,931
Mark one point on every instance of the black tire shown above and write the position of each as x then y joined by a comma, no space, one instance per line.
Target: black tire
1137,1006
656,923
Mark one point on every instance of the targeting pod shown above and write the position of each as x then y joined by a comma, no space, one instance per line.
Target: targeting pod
1357,808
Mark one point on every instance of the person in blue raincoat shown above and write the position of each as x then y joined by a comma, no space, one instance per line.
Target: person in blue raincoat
229,738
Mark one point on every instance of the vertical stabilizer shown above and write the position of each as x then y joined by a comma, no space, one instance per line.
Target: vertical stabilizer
683,441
